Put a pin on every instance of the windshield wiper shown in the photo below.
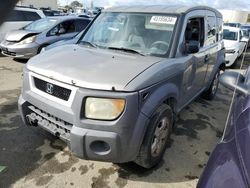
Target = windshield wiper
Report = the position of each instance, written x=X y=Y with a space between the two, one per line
x=126 y=50
x=88 y=43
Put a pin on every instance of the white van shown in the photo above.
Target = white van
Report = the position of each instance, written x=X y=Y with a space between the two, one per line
x=234 y=43
x=18 y=18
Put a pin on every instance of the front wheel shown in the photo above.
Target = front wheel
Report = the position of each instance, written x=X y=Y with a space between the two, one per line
x=211 y=92
x=156 y=137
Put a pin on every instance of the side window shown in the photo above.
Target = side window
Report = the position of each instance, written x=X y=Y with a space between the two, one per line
x=31 y=16
x=15 y=16
x=68 y=26
x=81 y=24
x=195 y=31
x=219 y=35
x=63 y=28
x=211 y=30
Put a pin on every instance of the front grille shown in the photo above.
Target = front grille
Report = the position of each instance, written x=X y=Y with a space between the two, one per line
x=56 y=126
x=54 y=90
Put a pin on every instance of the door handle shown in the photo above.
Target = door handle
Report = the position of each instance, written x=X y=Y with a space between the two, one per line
x=206 y=58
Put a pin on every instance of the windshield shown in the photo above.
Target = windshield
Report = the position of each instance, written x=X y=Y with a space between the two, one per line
x=41 y=25
x=147 y=34
x=230 y=35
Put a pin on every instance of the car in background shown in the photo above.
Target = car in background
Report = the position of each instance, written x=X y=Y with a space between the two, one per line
x=73 y=40
x=229 y=164
x=28 y=41
x=245 y=26
x=18 y=18
x=49 y=12
x=234 y=43
x=246 y=34
x=232 y=25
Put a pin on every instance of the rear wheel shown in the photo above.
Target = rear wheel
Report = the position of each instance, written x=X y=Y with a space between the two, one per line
x=156 y=137
x=211 y=92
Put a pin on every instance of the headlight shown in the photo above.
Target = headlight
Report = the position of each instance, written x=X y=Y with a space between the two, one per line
x=103 y=109
x=230 y=51
x=28 y=40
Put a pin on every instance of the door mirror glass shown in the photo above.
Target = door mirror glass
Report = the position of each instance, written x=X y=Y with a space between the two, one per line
x=192 y=47
x=234 y=81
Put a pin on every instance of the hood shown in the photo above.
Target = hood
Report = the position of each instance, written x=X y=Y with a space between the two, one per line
x=90 y=68
x=18 y=35
x=230 y=44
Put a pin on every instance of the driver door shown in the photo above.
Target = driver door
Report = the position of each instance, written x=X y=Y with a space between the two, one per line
x=195 y=67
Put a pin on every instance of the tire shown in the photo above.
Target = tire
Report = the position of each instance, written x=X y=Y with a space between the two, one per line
x=162 y=120
x=211 y=92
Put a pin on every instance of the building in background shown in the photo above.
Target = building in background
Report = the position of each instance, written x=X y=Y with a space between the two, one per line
x=52 y=4
x=235 y=16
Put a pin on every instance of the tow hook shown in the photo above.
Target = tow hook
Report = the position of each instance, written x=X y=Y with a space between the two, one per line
x=57 y=134
x=31 y=119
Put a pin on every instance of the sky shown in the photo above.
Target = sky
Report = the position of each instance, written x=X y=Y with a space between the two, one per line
x=219 y=4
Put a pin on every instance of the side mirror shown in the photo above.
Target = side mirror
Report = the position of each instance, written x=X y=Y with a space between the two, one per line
x=192 y=47
x=234 y=81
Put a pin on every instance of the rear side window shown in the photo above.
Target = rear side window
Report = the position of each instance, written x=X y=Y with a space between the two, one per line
x=81 y=25
x=21 y=16
x=31 y=16
x=219 y=35
x=211 y=29
x=16 y=16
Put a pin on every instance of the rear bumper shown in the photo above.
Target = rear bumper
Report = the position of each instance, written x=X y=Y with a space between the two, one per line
x=24 y=51
x=112 y=141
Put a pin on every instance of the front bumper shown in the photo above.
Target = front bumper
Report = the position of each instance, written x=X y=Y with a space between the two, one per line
x=24 y=51
x=231 y=58
x=114 y=141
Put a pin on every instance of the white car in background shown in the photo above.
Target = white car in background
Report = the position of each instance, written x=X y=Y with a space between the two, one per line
x=234 y=43
x=18 y=18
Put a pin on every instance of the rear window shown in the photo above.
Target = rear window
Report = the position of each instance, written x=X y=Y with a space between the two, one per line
x=21 y=16
x=31 y=16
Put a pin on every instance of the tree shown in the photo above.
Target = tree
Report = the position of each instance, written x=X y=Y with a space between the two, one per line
x=76 y=4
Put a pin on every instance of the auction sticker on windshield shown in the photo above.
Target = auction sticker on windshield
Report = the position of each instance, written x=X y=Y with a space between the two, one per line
x=163 y=20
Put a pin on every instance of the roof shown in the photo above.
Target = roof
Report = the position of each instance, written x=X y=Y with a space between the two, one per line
x=171 y=9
